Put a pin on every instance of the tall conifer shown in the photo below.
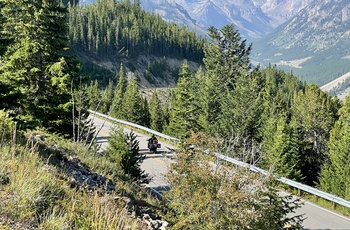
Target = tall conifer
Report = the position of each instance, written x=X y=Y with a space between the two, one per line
x=335 y=176
x=181 y=115
x=132 y=103
x=36 y=62
x=119 y=93
x=156 y=113
x=314 y=115
x=107 y=98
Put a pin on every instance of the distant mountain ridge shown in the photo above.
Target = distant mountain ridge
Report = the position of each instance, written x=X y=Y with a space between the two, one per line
x=309 y=37
x=253 y=18
x=314 y=43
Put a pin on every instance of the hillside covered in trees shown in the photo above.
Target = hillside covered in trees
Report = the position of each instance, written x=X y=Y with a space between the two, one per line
x=115 y=31
x=262 y=116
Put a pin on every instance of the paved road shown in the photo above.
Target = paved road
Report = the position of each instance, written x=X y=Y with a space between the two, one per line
x=156 y=165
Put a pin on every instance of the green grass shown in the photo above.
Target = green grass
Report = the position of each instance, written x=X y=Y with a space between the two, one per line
x=34 y=191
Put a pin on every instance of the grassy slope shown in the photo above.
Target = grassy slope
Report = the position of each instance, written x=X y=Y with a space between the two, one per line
x=36 y=193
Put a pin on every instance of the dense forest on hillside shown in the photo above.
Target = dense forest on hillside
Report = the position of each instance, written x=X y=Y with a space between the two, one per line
x=117 y=29
x=263 y=116
x=266 y=117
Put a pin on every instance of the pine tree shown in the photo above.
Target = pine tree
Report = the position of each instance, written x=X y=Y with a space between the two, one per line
x=241 y=110
x=123 y=149
x=119 y=94
x=181 y=116
x=146 y=116
x=93 y=95
x=335 y=175
x=156 y=113
x=36 y=63
x=211 y=98
x=131 y=161
x=107 y=98
x=314 y=115
x=4 y=39
x=227 y=55
x=226 y=59
x=283 y=154
x=132 y=103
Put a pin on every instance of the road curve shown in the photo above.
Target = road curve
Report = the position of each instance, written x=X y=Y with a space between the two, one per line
x=156 y=165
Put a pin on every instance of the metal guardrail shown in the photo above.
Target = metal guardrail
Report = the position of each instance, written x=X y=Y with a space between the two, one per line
x=294 y=184
x=136 y=126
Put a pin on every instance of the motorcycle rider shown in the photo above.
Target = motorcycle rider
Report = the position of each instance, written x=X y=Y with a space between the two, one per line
x=150 y=140
x=150 y=143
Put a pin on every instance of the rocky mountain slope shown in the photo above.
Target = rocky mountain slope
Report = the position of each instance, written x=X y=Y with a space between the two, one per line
x=310 y=37
x=313 y=43
x=253 y=18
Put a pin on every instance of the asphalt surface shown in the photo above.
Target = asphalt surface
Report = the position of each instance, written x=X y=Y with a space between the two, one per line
x=156 y=165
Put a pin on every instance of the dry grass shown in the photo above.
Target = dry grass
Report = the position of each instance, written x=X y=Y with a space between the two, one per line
x=34 y=194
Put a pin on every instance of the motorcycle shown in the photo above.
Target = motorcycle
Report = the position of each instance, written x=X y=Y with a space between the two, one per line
x=153 y=145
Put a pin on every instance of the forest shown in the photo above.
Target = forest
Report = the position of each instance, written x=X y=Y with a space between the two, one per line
x=263 y=116
x=118 y=29
x=284 y=123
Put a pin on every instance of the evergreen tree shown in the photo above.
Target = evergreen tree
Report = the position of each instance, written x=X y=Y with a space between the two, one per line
x=124 y=150
x=314 y=115
x=335 y=176
x=146 y=116
x=166 y=108
x=93 y=95
x=4 y=38
x=107 y=98
x=119 y=93
x=241 y=110
x=117 y=28
x=132 y=103
x=227 y=55
x=181 y=116
x=117 y=146
x=283 y=154
x=9 y=97
x=156 y=113
x=226 y=58
x=196 y=83
x=36 y=63
x=211 y=97
x=131 y=161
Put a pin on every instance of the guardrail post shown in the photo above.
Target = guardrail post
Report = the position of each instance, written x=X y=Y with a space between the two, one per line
x=300 y=193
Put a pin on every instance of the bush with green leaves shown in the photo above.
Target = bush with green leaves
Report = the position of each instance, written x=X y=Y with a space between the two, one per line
x=208 y=196
x=123 y=149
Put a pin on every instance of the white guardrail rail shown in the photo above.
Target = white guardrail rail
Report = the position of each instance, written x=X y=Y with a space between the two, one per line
x=294 y=184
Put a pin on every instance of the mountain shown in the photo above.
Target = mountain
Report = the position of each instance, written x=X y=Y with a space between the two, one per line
x=253 y=18
x=313 y=43
x=308 y=37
